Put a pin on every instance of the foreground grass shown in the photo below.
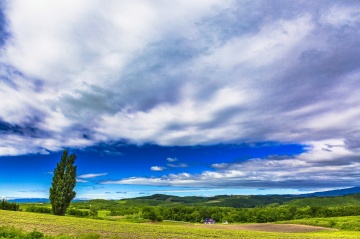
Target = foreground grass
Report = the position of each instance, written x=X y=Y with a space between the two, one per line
x=55 y=225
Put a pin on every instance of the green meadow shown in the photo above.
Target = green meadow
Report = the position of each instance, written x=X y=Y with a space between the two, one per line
x=68 y=226
x=153 y=217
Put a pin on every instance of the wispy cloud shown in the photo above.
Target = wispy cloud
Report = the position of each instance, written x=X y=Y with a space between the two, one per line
x=220 y=165
x=32 y=191
x=187 y=190
x=92 y=175
x=172 y=163
x=171 y=160
x=81 y=180
x=179 y=165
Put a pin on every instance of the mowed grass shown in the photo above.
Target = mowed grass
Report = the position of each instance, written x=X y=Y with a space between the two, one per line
x=55 y=225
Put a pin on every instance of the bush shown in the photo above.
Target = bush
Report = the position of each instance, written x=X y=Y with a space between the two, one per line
x=11 y=232
x=152 y=214
x=93 y=211
x=35 y=235
x=90 y=236
x=78 y=213
x=33 y=208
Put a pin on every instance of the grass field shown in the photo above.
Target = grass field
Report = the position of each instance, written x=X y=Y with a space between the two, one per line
x=55 y=225
x=351 y=223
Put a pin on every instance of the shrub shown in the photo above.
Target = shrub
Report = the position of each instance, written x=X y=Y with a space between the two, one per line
x=33 y=208
x=35 y=235
x=78 y=213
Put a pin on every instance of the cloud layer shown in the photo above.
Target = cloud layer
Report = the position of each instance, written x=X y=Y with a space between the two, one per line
x=201 y=74
x=184 y=73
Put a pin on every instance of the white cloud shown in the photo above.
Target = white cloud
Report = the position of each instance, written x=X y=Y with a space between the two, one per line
x=157 y=168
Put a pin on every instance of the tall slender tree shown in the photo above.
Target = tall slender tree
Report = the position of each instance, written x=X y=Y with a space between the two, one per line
x=63 y=184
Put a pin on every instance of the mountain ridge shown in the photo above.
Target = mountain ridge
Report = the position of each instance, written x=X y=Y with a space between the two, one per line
x=164 y=197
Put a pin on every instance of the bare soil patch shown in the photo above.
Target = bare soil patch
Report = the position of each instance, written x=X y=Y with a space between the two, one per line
x=269 y=227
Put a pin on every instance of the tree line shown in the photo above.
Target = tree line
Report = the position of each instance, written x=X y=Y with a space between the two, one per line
x=12 y=206
x=233 y=215
x=199 y=213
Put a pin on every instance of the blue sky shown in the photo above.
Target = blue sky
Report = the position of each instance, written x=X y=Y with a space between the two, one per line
x=182 y=97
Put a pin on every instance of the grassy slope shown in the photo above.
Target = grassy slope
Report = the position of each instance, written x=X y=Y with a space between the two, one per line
x=54 y=225
x=340 y=201
x=351 y=223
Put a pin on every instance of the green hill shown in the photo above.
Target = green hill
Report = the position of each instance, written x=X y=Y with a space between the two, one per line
x=339 y=201
x=236 y=201
x=250 y=201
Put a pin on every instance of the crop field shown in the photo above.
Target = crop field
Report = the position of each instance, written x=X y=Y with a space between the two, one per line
x=55 y=225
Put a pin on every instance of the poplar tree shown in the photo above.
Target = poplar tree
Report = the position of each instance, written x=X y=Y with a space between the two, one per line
x=63 y=184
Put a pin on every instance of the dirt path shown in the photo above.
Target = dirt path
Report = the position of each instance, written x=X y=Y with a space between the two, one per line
x=269 y=227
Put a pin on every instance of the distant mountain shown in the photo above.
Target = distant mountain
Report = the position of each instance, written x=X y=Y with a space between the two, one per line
x=219 y=200
x=29 y=200
x=38 y=200
x=337 y=192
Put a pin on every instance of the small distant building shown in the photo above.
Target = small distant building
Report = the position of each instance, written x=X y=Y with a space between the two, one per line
x=209 y=221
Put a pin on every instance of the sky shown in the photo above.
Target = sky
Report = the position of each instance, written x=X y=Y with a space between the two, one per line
x=180 y=97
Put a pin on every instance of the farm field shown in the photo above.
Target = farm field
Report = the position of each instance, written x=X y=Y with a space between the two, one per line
x=55 y=225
